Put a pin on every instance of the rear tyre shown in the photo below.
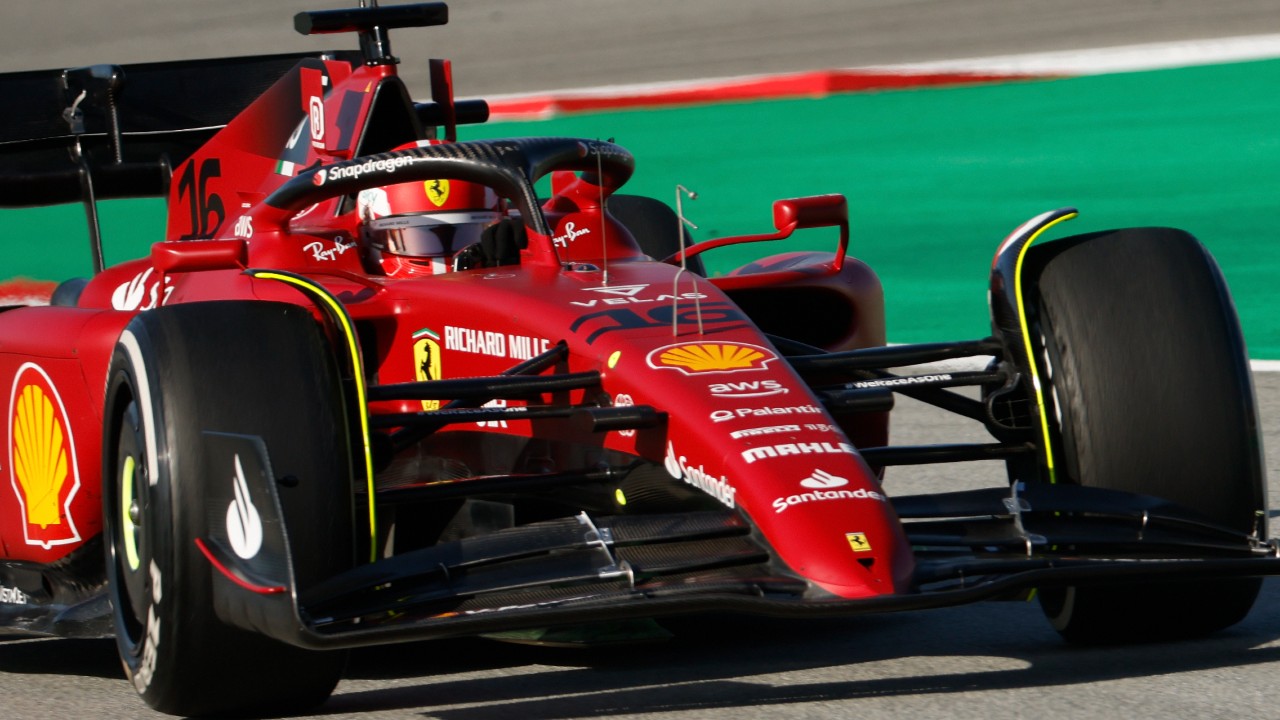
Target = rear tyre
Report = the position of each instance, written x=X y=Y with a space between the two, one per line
x=1146 y=367
x=655 y=226
x=241 y=367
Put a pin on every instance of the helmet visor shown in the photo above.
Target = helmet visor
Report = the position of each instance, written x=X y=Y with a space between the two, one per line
x=439 y=235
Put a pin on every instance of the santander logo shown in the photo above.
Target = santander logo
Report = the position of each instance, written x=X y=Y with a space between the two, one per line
x=678 y=467
x=141 y=293
x=823 y=480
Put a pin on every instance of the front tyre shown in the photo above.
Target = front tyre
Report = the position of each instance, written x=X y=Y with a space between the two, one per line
x=250 y=368
x=1146 y=367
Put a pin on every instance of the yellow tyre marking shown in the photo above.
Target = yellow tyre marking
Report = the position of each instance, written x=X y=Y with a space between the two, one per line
x=1026 y=339
x=353 y=347
x=127 y=527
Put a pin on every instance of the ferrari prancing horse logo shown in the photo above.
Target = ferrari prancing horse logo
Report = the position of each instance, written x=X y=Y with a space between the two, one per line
x=858 y=542
x=437 y=191
x=426 y=361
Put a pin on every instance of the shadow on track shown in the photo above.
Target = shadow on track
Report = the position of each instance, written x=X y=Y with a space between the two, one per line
x=742 y=663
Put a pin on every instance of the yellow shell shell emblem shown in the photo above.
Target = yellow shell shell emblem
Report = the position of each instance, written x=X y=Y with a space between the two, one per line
x=691 y=358
x=437 y=191
x=42 y=459
x=39 y=456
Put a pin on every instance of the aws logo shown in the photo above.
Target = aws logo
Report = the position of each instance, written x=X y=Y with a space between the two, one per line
x=747 y=389
x=43 y=471
x=692 y=358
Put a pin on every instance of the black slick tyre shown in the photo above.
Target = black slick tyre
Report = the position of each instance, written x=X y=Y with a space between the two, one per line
x=261 y=369
x=1151 y=390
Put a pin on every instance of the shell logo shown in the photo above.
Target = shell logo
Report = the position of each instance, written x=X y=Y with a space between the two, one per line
x=693 y=358
x=437 y=191
x=44 y=475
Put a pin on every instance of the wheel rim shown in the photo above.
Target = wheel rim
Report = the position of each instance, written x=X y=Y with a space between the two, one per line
x=128 y=511
x=130 y=552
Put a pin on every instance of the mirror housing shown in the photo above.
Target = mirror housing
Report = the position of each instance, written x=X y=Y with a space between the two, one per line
x=810 y=212
x=195 y=255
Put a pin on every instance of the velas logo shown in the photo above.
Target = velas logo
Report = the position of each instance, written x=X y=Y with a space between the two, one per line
x=437 y=191
x=693 y=358
x=42 y=459
x=623 y=290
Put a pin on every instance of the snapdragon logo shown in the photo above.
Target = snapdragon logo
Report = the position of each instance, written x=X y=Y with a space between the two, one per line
x=344 y=172
x=718 y=488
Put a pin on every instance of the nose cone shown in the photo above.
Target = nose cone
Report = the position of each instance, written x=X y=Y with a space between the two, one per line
x=824 y=513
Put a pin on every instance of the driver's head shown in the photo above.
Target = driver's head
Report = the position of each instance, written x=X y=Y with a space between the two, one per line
x=419 y=228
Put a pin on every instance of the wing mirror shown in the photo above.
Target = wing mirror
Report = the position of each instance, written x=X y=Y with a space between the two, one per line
x=194 y=255
x=810 y=212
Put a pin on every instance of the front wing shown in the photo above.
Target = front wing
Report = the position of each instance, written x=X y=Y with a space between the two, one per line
x=969 y=546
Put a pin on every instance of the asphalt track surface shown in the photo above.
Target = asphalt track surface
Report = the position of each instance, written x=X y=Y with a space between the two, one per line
x=993 y=660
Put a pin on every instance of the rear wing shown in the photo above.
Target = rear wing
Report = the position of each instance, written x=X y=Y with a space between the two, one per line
x=114 y=131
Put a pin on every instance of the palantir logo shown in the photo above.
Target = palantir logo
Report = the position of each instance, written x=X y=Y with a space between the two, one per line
x=823 y=480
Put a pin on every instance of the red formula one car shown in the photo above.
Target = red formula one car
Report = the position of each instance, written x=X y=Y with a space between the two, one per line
x=378 y=385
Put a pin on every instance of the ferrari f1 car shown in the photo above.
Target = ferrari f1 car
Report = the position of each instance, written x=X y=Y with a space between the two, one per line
x=257 y=446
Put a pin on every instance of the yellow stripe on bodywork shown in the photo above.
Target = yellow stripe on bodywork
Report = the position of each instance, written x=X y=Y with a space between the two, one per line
x=339 y=313
x=1026 y=339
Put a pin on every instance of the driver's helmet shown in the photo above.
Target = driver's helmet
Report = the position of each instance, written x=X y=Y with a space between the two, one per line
x=421 y=227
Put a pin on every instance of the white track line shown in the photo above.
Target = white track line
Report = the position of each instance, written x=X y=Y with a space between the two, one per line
x=1126 y=58
x=1092 y=61
x=975 y=364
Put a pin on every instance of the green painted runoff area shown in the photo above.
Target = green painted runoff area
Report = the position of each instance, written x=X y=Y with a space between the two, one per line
x=935 y=177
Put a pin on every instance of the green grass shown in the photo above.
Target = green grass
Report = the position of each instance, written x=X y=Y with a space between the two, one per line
x=935 y=177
